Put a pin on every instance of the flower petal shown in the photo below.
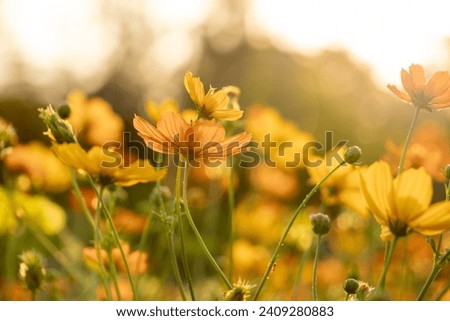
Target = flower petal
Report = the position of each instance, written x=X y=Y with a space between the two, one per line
x=417 y=76
x=435 y=220
x=376 y=184
x=411 y=194
x=438 y=85
x=227 y=114
x=399 y=93
x=195 y=88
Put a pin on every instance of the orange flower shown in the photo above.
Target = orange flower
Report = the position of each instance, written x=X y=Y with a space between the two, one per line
x=202 y=140
x=431 y=94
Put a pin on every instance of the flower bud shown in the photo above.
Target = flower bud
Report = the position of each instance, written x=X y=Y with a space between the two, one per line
x=8 y=137
x=31 y=270
x=351 y=286
x=352 y=154
x=239 y=292
x=321 y=223
x=447 y=171
x=64 y=111
x=59 y=130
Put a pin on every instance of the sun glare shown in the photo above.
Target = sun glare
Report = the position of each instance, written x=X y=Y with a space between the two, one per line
x=386 y=35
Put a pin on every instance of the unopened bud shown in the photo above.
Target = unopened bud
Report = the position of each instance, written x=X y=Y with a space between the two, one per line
x=447 y=171
x=351 y=286
x=239 y=292
x=64 y=111
x=352 y=154
x=321 y=223
x=59 y=130
x=31 y=270
x=8 y=137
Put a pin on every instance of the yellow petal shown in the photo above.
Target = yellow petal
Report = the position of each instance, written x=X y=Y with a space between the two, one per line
x=73 y=155
x=411 y=194
x=376 y=184
x=195 y=88
x=138 y=172
x=435 y=220
x=227 y=114
x=215 y=101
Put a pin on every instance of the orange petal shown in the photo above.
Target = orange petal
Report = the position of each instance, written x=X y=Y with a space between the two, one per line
x=438 y=84
x=399 y=93
x=417 y=77
x=407 y=82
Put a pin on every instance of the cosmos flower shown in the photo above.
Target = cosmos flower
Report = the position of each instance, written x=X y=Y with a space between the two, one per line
x=203 y=140
x=401 y=205
x=213 y=104
x=433 y=94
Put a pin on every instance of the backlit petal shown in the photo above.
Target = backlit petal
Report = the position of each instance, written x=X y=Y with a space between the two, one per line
x=417 y=75
x=399 y=93
x=435 y=220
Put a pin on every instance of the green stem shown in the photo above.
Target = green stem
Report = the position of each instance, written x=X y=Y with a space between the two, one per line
x=408 y=141
x=197 y=233
x=112 y=268
x=180 y=222
x=169 y=238
x=437 y=267
x=98 y=251
x=314 y=274
x=305 y=257
x=288 y=228
x=116 y=236
x=81 y=200
x=387 y=262
x=231 y=204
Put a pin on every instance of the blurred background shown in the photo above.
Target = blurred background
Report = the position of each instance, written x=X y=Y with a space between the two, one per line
x=323 y=64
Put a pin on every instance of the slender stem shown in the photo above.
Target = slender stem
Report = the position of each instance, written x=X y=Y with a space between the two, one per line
x=112 y=268
x=314 y=275
x=116 y=236
x=408 y=140
x=347 y=297
x=387 y=261
x=288 y=228
x=197 y=233
x=98 y=251
x=437 y=267
x=81 y=200
x=182 y=240
x=231 y=204
x=173 y=261
x=169 y=238
x=305 y=258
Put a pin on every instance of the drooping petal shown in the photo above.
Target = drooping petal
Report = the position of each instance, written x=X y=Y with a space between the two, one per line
x=411 y=194
x=399 y=93
x=435 y=220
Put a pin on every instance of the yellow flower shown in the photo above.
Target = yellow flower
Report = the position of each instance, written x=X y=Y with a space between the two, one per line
x=40 y=165
x=94 y=118
x=201 y=140
x=32 y=209
x=431 y=94
x=154 y=111
x=213 y=104
x=402 y=205
x=107 y=165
